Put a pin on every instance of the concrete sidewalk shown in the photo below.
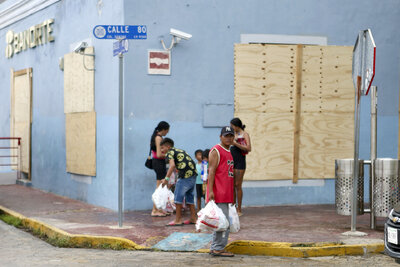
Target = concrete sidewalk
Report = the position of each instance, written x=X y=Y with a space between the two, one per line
x=297 y=231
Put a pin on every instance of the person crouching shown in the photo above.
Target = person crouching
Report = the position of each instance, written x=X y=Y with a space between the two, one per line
x=184 y=187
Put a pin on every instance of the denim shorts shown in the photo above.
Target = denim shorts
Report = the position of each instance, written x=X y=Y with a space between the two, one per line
x=184 y=188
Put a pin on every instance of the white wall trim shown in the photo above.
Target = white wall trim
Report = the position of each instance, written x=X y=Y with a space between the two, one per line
x=284 y=183
x=22 y=9
x=81 y=178
x=283 y=39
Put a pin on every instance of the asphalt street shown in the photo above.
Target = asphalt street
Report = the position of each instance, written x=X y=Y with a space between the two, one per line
x=19 y=248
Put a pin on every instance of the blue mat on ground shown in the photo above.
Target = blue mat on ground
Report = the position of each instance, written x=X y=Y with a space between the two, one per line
x=184 y=242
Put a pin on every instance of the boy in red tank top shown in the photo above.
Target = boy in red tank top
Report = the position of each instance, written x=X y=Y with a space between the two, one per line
x=220 y=186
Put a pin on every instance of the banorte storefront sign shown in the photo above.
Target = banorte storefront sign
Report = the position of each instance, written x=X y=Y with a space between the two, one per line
x=39 y=34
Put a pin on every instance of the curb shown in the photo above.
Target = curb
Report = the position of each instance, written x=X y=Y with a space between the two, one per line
x=73 y=240
x=283 y=249
x=244 y=247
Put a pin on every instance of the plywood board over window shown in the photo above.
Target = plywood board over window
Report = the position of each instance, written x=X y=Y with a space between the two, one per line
x=80 y=130
x=80 y=134
x=21 y=115
x=79 y=82
x=298 y=106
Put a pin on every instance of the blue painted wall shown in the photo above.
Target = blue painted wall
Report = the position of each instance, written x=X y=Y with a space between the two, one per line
x=74 y=21
x=202 y=74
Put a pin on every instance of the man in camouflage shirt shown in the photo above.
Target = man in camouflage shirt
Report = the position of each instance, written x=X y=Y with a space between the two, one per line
x=180 y=160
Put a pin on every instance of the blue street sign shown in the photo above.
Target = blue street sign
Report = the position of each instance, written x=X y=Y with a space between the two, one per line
x=120 y=47
x=120 y=31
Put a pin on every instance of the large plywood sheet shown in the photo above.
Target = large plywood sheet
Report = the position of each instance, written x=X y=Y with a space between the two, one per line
x=272 y=145
x=79 y=82
x=326 y=79
x=80 y=134
x=324 y=138
x=266 y=78
x=21 y=116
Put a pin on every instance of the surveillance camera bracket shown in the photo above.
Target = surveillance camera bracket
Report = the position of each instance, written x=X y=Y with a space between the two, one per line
x=174 y=41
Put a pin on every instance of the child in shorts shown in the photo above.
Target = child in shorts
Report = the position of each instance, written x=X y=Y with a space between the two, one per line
x=199 y=182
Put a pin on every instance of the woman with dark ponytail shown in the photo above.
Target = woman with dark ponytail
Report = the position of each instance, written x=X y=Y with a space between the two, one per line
x=240 y=148
x=159 y=164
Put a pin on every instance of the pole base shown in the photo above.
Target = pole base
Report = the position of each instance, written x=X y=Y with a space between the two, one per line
x=354 y=233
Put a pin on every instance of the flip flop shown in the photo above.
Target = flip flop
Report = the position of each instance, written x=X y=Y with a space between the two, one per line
x=221 y=253
x=172 y=223
x=188 y=222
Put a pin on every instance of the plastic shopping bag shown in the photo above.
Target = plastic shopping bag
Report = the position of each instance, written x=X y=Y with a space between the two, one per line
x=160 y=197
x=233 y=219
x=170 y=207
x=211 y=218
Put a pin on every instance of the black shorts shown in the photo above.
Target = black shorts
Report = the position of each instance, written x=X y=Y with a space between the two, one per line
x=160 y=167
x=199 y=191
x=239 y=161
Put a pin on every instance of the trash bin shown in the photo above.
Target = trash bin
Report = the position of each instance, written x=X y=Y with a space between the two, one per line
x=344 y=186
x=386 y=186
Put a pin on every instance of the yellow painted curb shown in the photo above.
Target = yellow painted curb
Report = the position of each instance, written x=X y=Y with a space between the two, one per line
x=283 y=249
x=74 y=240
x=246 y=247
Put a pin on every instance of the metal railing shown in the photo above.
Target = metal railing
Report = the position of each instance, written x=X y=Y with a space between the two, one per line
x=12 y=163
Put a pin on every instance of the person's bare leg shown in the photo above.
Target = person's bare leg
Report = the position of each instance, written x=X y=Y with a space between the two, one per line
x=235 y=177
x=178 y=216
x=239 y=191
x=193 y=216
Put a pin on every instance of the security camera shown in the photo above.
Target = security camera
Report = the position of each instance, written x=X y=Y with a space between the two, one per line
x=179 y=34
x=81 y=46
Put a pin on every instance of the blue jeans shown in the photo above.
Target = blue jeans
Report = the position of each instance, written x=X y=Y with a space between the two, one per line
x=184 y=188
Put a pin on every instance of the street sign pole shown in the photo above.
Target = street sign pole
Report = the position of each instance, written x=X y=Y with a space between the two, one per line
x=356 y=162
x=121 y=33
x=121 y=139
x=363 y=73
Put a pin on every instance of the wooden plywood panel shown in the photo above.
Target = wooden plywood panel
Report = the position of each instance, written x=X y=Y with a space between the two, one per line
x=80 y=133
x=267 y=78
x=272 y=140
x=21 y=116
x=79 y=82
x=324 y=138
x=326 y=83
x=264 y=78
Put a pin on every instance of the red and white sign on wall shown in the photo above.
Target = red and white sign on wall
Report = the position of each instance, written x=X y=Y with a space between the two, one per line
x=159 y=62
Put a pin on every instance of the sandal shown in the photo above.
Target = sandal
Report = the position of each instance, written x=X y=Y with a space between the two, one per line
x=172 y=223
x=188 y=222
x=221 y=253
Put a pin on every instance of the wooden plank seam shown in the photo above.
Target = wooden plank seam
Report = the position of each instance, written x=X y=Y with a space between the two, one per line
x=296 y=133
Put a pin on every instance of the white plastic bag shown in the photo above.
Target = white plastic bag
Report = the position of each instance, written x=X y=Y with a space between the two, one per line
x=160 y=197
x=233 y=219
x=170 y=207
x=211 y=218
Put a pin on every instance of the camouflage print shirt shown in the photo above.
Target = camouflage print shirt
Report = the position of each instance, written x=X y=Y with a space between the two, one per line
x=184 y=163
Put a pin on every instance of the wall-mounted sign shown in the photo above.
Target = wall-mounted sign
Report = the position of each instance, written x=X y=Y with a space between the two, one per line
x=159 y=62
x=39 y=34
x=120 y=31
